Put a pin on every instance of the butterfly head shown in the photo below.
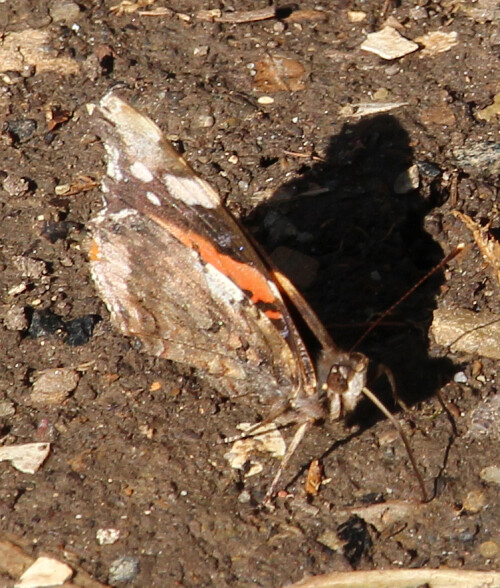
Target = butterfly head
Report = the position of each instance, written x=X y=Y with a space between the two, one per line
x=342 y=378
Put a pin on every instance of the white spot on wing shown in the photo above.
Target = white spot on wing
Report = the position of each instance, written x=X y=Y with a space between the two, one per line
x=221 y=287
x=121 y=214
x=153 y=198
x=104 y=215
x=192 y=191
x=141 y=172
x=113 y=168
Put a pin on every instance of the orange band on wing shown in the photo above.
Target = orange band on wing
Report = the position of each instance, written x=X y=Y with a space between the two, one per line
x=244 y=276
x=274 y=315
x=94 y=253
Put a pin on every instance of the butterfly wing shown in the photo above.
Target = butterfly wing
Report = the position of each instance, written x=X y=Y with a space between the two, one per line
x=177 y=271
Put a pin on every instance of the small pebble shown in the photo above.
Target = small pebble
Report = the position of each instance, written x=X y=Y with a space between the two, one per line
x=15 y=186
x=265 y=100
x=62 y=189
x=479 y=155
x=428 y=170
x=15 y=319
x=205 y=121
x=393 y=69
x=53 y=386
x=438 y=115
x=407 y=181
x=474 y=502
x=107 y=536
x=11 y=77
x=388 y=437
x=29 y=267
x=418 y=13
x=7 y=408
x=485 y=419
x=64 y=11
x=201 y=51
x=21 y=129
x=356 y=16
x=495 y=38
x=490 y=475
x=381 y=95
x=244 y=497
x=460 y=378
x=123 y=569
x=489 y=549
x=17 y=289
x=331 y=540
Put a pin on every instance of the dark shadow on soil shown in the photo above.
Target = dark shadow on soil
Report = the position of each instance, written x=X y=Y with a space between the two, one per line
x=371 y=247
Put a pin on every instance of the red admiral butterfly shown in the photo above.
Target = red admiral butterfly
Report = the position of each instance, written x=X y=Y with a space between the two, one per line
x=178 y=272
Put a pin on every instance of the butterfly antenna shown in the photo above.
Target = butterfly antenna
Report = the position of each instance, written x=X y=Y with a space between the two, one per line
x=386 y=313
x=371 y=396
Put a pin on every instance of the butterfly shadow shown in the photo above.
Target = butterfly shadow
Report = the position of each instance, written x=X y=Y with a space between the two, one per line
x=359 y=224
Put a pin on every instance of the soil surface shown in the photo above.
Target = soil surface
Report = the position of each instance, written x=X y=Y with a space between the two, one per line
x=134 y=439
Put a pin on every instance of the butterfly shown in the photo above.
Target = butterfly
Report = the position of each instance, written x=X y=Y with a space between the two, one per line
x=178 y=272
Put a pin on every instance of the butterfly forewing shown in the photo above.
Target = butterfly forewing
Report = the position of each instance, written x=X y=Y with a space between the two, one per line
x=176 y=270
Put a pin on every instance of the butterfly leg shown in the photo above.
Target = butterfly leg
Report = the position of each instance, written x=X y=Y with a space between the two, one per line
x=295 y=442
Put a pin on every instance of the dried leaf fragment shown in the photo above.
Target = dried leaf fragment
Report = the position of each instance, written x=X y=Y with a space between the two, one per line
x=78 y=185
x=45 y=572
x=31 y=48
x=467 y=331
x=410 y=578
x=279 y=73
x=26 y=458
x=305 y=14
x=480 y=10
x=217 y=15
x=56 y=116
x=437 y=42
x=438 y=115
x=14 y=560
x=314 y=477
x=490 y=111
x=388 y=44
x=264 y=439
x=129 y=6
x=368 y=108
x=384 y=515
x=487 y=244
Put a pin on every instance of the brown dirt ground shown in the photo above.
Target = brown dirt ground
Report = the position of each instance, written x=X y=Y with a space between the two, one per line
x=141 y=458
